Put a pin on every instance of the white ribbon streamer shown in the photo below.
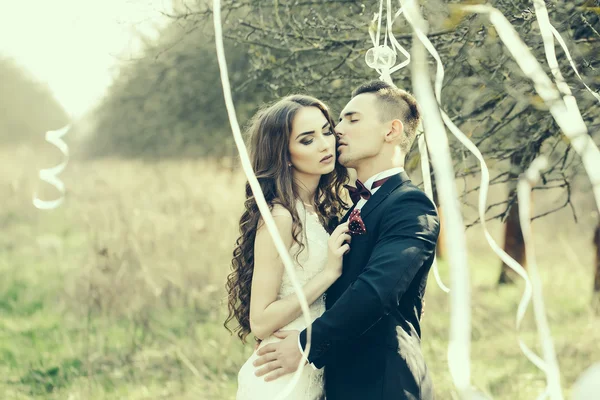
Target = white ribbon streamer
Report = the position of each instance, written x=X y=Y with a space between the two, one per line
x=541 y=14
x=529 y=179
x=568 y=117
x=258 y=195
x=562 y=43
x=563 y=109
x=390 y=34
x=50 y=175
x=483 y=191
x=385 y=75
x=429 y=192
x=459 y=348
x=548 y=31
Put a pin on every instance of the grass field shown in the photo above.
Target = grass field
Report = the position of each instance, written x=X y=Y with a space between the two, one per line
x=118 y=294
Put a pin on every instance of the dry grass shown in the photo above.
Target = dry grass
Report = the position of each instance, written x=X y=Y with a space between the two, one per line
x=118 y=294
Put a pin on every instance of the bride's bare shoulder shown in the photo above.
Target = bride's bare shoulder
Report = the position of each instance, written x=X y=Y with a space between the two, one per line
x=280 y=211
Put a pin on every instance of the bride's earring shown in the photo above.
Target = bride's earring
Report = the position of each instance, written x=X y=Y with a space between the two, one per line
x=289 y=164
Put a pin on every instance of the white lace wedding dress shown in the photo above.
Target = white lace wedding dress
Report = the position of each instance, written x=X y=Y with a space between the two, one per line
x=311 y=261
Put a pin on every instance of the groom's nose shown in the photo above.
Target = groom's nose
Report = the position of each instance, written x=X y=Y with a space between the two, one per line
x=338 y=131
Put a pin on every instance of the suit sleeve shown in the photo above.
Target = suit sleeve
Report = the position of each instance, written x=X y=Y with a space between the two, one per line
x=407 y=237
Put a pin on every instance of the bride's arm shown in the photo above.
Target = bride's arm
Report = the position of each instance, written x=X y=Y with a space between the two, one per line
x=267 y=313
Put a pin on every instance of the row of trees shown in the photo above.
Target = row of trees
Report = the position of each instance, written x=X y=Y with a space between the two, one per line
x=319 y=47
x=169 y=102
x=27 y=107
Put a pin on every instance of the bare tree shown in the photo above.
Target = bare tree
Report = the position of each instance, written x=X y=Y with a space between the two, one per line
x=514 y=245
x=318 y=47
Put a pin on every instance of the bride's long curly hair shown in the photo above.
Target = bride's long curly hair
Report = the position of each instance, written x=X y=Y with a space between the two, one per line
x=269 y=139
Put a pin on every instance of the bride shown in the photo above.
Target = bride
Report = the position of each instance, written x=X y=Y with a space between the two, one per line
x=293 y=152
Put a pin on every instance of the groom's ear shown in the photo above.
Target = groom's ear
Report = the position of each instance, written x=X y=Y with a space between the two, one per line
x=395 y=132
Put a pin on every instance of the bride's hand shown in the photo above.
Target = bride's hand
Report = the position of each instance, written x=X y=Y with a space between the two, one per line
x=338 y=244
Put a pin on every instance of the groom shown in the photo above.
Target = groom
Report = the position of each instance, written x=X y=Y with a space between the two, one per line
x=369 y=339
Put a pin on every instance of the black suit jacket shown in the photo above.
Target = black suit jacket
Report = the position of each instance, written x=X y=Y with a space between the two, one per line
x=369 y=339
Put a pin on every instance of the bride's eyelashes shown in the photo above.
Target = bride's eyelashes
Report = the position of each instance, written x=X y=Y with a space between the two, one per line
x=327 y=133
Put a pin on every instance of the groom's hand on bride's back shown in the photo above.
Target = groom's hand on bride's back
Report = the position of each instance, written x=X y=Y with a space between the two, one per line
x=278 y=359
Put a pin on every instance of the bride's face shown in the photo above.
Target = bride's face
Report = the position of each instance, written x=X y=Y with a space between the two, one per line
x=312 y=143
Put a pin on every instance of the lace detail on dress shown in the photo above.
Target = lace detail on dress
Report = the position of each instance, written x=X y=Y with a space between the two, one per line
x=310 y=261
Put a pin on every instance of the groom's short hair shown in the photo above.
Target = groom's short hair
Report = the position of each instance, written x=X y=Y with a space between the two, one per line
x=395 y=104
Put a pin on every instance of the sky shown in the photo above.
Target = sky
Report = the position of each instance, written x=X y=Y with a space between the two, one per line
x=74 y=46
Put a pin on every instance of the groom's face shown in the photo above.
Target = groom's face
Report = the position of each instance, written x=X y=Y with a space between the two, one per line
x=360 y=130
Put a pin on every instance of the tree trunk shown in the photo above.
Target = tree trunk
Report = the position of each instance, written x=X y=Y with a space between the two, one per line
x=514 y=245
x=596 y=294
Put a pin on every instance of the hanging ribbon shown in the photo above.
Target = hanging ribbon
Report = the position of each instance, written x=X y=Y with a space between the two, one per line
x=563 y=109
x=50 y=175
x=548 y=31
x=259 y=196
x=426 y=173
x=562 y=43
x=459 y=346
x=382 y=59
x=484 y=186
x=526 y=182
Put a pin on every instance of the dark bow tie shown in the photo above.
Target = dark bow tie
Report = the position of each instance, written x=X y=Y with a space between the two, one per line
x=361 y=191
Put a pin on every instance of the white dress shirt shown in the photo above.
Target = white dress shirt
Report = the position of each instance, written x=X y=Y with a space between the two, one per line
x=382 y=175
x=362 y=202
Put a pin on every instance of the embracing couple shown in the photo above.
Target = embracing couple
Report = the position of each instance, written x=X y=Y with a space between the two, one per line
x=363 y=274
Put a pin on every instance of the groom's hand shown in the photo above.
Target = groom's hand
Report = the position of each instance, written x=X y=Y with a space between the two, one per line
x=281 y=358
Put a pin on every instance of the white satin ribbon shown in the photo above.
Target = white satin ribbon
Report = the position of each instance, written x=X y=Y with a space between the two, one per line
x=459 y=346
x=564 y=109
x=426 y=173
x=548 y=31
x=258 y=195
x=50 y=175
x=484 y=185
x=385 y=75
x=562 y=43
x=526 y=182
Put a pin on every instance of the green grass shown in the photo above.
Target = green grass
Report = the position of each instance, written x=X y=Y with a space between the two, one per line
x=118 y=294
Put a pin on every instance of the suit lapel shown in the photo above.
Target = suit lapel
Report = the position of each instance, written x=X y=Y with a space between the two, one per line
x=388 y=187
